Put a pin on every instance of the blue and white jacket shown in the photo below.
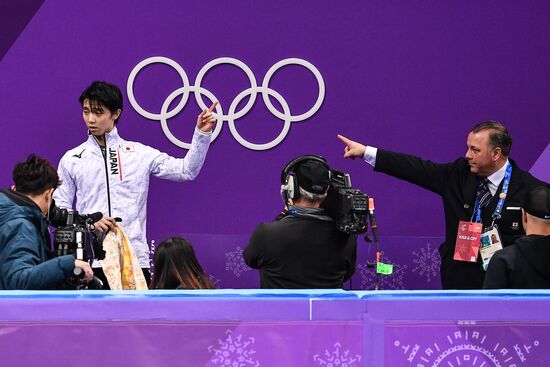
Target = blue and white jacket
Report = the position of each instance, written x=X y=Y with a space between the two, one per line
x=117 y=185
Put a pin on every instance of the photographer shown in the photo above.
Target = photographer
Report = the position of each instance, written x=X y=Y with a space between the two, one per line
x=303 y=248
x=26 y=259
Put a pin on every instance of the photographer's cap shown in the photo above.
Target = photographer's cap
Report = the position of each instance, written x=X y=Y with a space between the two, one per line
x=313 y=176
x=537 y=202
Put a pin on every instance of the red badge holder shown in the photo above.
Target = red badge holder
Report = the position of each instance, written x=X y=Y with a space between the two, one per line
x=467 y=241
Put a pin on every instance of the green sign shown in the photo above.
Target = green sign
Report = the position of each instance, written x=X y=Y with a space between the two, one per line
x=385 y=269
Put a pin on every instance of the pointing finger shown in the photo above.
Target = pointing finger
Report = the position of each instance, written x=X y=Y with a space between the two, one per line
x=213 y=106
x=344 y=139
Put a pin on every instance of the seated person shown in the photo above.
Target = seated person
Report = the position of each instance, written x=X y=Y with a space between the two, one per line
x=176 y=267
x=303 y=248
x=26 y=257
x=526 y=264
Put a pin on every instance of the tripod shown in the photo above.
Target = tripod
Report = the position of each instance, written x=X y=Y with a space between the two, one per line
x=374 y=230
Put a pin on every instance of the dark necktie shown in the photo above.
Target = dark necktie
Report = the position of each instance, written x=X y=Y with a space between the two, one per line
x=483 y=192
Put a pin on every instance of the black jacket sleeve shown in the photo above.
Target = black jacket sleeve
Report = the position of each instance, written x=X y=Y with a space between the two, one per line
x=427 y=174
x=253 y=253
x=497 y=272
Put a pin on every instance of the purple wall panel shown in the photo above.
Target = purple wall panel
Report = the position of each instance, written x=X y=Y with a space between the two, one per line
x=15 y=17
x=276 y=328
x=479 y=328
x=189 y=344
x=541 y=168
x=470 y=344
x=407 y=76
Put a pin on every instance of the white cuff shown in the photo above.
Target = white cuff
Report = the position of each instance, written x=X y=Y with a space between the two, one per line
x=370 y=155
x=197 y=130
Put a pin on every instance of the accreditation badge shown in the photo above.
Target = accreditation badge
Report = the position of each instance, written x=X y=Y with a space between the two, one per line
x=490 y=243
x=467 y=241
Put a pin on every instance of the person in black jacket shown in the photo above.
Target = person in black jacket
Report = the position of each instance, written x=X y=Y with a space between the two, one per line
x=526 y=264
x=462 y=187
x=303 y=248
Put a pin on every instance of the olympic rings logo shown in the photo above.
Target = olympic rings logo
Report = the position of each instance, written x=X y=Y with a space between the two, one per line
x=232 y=114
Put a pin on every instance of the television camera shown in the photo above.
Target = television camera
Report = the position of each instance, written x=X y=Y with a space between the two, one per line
x=348 y=206
x=73 y=236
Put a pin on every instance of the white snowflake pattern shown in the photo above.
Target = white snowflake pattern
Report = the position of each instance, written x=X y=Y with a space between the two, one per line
x=427 y=262
x=234 y=351
x=337 y=358
x=214 y=280
x=235 y=262
x=392 y=281
x=477 y=351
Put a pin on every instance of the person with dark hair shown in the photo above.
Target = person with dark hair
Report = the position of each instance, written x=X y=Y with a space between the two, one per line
x=481 y=189
x=111 y=175
x=177 y=267
x=303 y=247
x=26 y=257
x=525 y=264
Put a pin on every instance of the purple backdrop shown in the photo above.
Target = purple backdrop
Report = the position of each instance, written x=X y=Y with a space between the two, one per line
x=407 y=76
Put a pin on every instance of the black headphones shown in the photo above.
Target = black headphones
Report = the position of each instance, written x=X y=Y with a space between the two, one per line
x=289 y=181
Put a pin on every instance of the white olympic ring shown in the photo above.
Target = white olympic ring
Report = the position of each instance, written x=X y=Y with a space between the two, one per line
x=232 y=114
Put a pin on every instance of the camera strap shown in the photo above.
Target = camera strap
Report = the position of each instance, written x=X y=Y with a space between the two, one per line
x=306 y=212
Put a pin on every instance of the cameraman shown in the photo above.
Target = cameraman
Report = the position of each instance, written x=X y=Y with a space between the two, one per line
x=303 y=249
x=26 y=259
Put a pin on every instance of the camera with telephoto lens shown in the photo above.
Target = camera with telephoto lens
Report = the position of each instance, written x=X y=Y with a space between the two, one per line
x=348 y=206
x=73 y=236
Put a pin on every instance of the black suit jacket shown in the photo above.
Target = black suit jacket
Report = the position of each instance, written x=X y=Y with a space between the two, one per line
x=458 y=188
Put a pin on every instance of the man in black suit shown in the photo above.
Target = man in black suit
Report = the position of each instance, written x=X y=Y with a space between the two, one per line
x=465 y=185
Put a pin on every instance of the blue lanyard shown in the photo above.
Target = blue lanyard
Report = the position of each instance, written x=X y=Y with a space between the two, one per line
x=502 y=197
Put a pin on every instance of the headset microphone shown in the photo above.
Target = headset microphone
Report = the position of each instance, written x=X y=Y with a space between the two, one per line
x=289 y=181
